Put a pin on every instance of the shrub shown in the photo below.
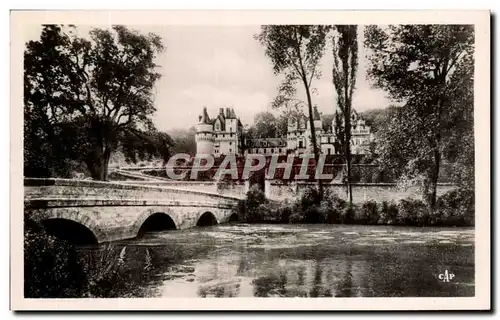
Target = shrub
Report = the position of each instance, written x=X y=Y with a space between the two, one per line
x=296 y=217
x=52 y=268
x=453 y=208
x=456 y=208
x=268 y=212
x=368 y=212
x=253 y=210
x=331 y=208
x=309 y=197
x=306 y=207
x=255 y=197
x=388 y=213
x=285 y=211
x=348 y=213
x=412 y=212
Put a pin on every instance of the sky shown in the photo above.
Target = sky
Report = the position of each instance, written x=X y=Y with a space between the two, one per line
x=221 y=66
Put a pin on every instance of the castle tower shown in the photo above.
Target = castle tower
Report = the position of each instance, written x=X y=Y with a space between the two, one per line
x=318 y=128
x=318 y=124
x=204 y=134
x=291 y=134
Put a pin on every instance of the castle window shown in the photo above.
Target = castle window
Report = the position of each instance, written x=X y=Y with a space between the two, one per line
x=230 y=142
x=301 y=145
x=328 y=151
x=272 y=150
x=230 y=150
x=231 y=129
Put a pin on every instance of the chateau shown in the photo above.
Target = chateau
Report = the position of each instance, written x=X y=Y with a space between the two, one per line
x=225 y=135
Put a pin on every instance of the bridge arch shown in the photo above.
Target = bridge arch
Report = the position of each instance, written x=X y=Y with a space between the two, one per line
x=70 y=231
x=233 y=217
x=71 y=226
x=207 y=218
x=153 y=220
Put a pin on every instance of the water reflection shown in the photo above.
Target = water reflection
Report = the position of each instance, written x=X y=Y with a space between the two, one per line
x=312 y=261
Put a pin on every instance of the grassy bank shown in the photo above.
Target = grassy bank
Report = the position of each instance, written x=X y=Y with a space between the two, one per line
x=455 y=208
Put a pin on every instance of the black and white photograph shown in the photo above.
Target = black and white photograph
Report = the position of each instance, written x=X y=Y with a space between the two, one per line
x=170 y=157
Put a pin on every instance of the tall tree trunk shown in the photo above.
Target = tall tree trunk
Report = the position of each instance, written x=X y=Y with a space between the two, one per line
x=434 y=181
x=348 y=157
x=105 y=164
x=347 y=120
x=313 y=135
x=98 y=163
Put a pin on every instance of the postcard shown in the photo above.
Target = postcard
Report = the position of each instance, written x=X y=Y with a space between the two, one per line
x=250 y=160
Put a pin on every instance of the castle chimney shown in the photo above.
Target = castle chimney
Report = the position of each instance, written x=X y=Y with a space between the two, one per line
x=228 y=113
x=221 y=111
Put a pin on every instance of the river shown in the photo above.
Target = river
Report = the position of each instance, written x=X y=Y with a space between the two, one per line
x=273 y=260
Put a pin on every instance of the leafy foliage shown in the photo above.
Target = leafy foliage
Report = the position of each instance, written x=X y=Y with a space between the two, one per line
x=429 y=68
x=265 y=125
x=85 y=98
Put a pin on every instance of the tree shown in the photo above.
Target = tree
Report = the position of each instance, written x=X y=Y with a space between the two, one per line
x=376 y=119
x=327 y=120
x=184 y=141
x=289 y=111
x=85 y=98
x=295 y=52
x=265 y=125
x=429 y=68
x=345 y=66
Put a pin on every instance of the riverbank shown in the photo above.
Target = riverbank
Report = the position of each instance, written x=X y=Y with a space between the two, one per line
x=454 y=208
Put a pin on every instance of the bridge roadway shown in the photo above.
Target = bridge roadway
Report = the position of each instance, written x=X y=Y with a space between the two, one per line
x=96 y=212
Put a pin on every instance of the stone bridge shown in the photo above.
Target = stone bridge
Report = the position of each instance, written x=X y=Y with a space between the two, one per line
x=94 y=212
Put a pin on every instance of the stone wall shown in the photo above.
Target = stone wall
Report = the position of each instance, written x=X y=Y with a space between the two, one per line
x=36 y=188
x=361 y=192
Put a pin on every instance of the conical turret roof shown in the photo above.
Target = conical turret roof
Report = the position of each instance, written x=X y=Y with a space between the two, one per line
x=204 y=117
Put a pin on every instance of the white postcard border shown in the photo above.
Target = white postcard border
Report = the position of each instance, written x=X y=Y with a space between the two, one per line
x=481 y=20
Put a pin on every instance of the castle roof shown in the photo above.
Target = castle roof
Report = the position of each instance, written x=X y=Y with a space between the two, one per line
x=267 y=142
x=316 y=115
x=204 y=117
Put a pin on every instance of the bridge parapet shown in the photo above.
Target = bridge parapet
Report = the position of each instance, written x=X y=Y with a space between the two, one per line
x=35 y=188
